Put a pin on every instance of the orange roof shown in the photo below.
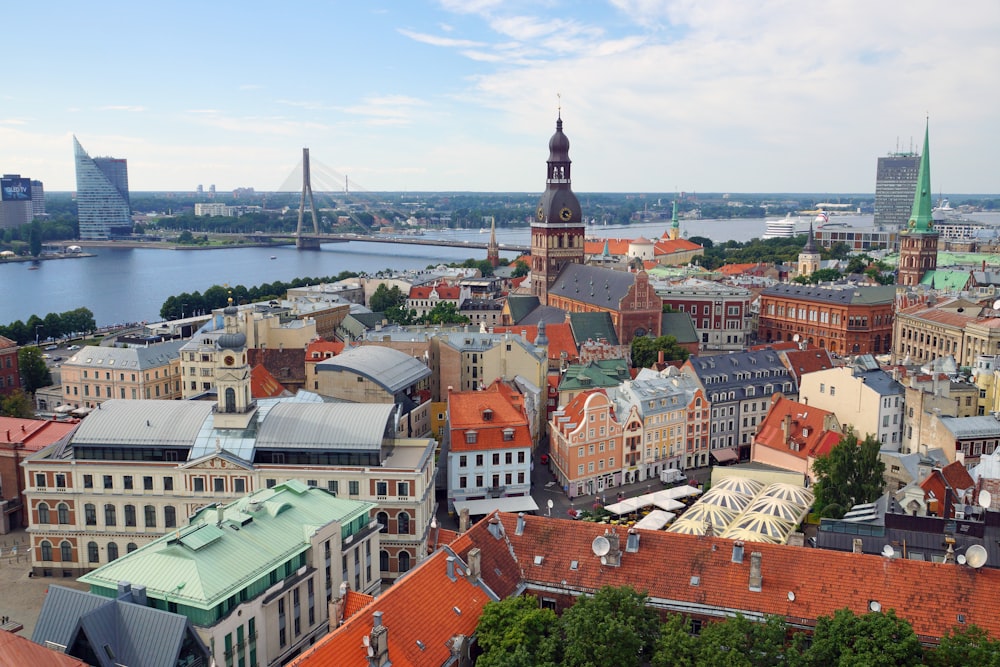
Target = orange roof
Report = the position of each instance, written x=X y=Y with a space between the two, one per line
x=650 y=264
x=735 y=269
x=801 y=362
x=955 y=476
x=320 y=349
x=670 y=246
x=34 y=434
x=421 y=612
x=444 y=291
x=615 y=246
x=355 y=602
x=560 y=336
x=18 y=650
x=505 y=407
x=699 y=570
x=572 y=413
x=806 y=436
x=516 y=282
x=6 y=342
x=263 y=384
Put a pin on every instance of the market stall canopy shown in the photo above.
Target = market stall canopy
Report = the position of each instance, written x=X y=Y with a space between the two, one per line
x=489 y=505
x=748 y=536
x=687 y=526
x=779 y=507
x=627 y=506
x=682 y=491
x=790 y=492
x=719 y=517
x=737 y=502
x=744 y=485
x=655 y=520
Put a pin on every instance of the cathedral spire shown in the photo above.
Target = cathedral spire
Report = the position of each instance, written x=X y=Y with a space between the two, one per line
x=920 y=217
x=493 y=248
x=810 y=245
x=675 y=224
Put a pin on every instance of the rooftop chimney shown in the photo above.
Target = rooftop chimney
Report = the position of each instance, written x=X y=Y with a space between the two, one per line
x=124 y=589
x=756 y=577
x=463 y=520
x=379 y=642
x=520 y=524
x=450 y=561
x=786 y=426
x=475 y=564
x=220 y=513
x=632 y=542
x=495 y=527
x=614 y=556
x=139 y=595
x=856 y=545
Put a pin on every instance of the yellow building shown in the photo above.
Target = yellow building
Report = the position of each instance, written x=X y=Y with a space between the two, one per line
x=95 y=374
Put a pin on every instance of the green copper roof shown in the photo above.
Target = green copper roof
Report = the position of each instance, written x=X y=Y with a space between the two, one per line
x=920 y=217
x=943 y=279
x=674 y=222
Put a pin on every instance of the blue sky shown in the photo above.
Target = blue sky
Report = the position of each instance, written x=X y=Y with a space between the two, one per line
x=656 y=95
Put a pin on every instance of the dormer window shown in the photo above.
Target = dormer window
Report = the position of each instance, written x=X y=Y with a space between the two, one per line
x=487 y=415
x=470 y=437
x=508 y=434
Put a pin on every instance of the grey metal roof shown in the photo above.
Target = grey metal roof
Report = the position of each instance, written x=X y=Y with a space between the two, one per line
x=881 y=382
x=127 y=358
x=391 y=369
x=143 y=422
x=136 y=634
x=547 y=314
x=722 y=373
x=850 y=294
x=983 y=426
x=593 y=285
x=348 y=426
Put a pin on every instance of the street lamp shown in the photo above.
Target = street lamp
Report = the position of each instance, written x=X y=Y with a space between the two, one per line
x=36 y=334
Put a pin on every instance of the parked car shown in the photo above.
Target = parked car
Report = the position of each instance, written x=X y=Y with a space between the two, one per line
x=51 y=347
x=672 y=476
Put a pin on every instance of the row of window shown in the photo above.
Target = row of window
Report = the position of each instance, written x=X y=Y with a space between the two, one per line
x=93 y=552
x=129 y=482
x=508 y=458
x=463 y=481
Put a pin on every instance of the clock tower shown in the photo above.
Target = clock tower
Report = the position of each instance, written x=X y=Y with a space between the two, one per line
x=235 y=406
x=557 y=231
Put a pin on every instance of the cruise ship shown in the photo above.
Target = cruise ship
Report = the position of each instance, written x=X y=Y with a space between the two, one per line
x=780 y=228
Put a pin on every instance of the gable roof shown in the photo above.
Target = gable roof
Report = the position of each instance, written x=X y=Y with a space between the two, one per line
x=18 y=650
x=34 y=434
x=849 y=294
x=559 y=333
x=286 y=365
x=263 y=384
x=592 y=326
x=466 y=412
x=666 y=246
x=597 y=373
x=680 y=326
x=593 y=285
x=806 y=436
x=443 y=290
x=805 y=361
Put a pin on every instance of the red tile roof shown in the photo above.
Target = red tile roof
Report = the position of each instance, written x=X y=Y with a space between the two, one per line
x=34 y=434
x=6 y=343
x=318 y=350
x=572 y=413
x=355 y=602
x=735 y=269
x=670 y=246
x=684 y=571
x=18 y=650
x=617 y=247
x=800 y=362
x=957 y=476
x=805 y=429
x=420 y=607
x=263 y=384
x=444 y=291
x=560 y=336
x=466 y=411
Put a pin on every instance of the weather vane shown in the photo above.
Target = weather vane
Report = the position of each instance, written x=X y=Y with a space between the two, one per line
x=559 y=104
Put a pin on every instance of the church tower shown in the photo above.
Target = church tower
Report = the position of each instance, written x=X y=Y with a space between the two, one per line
x=675 y=224
x=493 y=248
x=918 y=242
x=557 y=231
x=235 y=406
x=809 y=257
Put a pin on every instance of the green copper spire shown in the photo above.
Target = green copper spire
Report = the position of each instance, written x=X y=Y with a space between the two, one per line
x=674 y=222
x=920 y=217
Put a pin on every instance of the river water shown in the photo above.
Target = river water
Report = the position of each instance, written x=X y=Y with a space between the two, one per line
x=129 y=285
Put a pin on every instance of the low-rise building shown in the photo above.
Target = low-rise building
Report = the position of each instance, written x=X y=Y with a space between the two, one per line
x=794 y=435
x=721 y=313
x=10 y=375
x=489 y=444
x=586 y=446
x=255 y=577
x=95 y=374
x=20 y=438
x=424 y=298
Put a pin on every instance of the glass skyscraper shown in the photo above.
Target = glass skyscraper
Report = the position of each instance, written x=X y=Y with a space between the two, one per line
x=102 y=195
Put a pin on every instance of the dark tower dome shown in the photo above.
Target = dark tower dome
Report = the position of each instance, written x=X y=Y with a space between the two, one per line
x=230 y=309
x=559 y=144
x=232 y=341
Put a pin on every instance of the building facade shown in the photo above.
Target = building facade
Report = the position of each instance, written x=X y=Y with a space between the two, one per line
x=586 y=445
x=95 y=374
x=844 y=319
x=16 y=201
x=557 y=230
x=10 y=373
x=895 y=183
x=102 y=195
x=721 y=313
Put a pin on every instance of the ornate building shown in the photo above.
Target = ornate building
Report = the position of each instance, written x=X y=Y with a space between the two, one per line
x=809 y=257
x=918 y=244
x=557 y=231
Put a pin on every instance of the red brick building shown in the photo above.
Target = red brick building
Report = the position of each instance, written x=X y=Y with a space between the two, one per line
x=20 y=438
x=845 y=319
x=10 y=374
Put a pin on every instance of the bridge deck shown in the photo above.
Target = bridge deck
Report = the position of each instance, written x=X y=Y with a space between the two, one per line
x=416 y=240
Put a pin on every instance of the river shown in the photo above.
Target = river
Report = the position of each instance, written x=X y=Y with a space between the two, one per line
x=129 y=285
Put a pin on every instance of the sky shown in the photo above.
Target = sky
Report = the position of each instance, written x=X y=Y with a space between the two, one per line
x=462 y=95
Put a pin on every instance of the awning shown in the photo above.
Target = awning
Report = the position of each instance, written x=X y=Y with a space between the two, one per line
x=725 y=455
x=627 y=506
x=488 y=505
x=655 y=520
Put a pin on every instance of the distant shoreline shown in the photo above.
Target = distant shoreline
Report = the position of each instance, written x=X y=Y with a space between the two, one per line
x=166 y=245
x=42 y=258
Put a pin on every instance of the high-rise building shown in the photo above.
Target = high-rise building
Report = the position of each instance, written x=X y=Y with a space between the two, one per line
x=918 y=243
x=37 y=199
x=102 y=195
x=557 y=232
x=895 y=183
x=15 y=201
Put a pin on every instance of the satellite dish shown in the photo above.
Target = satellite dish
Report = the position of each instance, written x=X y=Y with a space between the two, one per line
x=550 y=503
x=796 y=338
x=976 y=556
x=875 y=606
x=985 y=499
x=600 y=546
x=960 y=559
x=365 y=640
x=888 y=551
x=791 y=596
x=996 y=305
x=371 y=652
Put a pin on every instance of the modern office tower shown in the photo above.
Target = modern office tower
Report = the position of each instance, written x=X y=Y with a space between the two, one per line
x=15 y=201
x=102 y=195
x=895 y=183
x=37 y=199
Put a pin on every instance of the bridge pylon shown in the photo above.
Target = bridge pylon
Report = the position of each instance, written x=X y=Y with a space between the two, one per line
x=303 y=242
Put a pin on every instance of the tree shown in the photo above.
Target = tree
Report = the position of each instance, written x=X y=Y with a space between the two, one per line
x=516 y=632
x=968 y=645
x=743 y=642
x=612 y=627
x=850 y=474
x=645 y=350
x=873 y=640
x=17 y=404
x=445 y=312
x=34 y=372
x=703 y=241
x=521 y=268
x=676 y=646
x=384 y=298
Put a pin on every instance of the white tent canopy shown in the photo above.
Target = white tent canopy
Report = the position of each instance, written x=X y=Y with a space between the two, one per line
x=488 y=505
x=627 y=506
x=655 y=520
x=682 y=491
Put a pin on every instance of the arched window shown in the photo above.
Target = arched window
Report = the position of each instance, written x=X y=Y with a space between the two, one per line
x=383 y=560
x=383 y=522
x=109 y=515
x=403 y=523
x=130 y=547
x=43 y=514
x=230 y=399
x=169 y=516
x=46 y=550
x=130 y=515
x=112 y=551
x=62 y=510
x=93 y=555
x=404 y=561
x=90 y=514
x=150 y=512
x=65 y=552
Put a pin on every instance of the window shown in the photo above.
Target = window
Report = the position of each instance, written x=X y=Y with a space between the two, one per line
x=470 y=437
x=108 y=482
x=383 y=560
x=147 y=483
x=403 y=523
x=150 y=514
x=168 y=483
x=88 y=481
x=381 y=489
x=130 y=515
x=508 y=458
x=404 y=561
x=46 y=550
x=43 y=513
x=496 y=458
x=127 y=482
x=90 y=514
x=402 y=488
x=269 y=483
x=833 y=390
x=93 y=555
x=463 y=482
x=109 y=515
x=219 y=484
x=199 y=484
x=169 y=516
x=112 y=551
x=479 y=459
x=354 y=487
x=60 y=480
x=62 y=510
x=240 y=486
x=333 y=486
x=65 y=552
x=463 y=461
